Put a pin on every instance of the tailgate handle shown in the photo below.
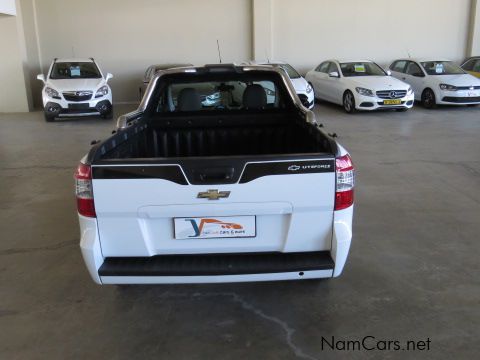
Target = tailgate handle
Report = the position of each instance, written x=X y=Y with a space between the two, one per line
x=216 y=174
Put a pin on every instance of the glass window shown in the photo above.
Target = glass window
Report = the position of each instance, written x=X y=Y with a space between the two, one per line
x=399 y=66
x=75 y=70
x=361 y=69
x=414 y=70
x=441 y=68
x=468 y=66
x=291 y=72
x=323 y=67
x=332 y=67
x=472 y=65
x=213 y=95
x=476 y=66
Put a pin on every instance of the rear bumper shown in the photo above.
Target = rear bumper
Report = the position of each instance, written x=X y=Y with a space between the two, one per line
x=208 y=279
x=221 y=267
x=216 y=268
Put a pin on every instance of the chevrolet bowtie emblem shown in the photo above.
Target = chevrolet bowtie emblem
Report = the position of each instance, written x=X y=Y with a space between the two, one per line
x=213 y=194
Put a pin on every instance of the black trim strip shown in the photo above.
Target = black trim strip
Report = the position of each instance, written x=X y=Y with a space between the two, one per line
x=216 y=264
x=257 y=170
x=170 y=173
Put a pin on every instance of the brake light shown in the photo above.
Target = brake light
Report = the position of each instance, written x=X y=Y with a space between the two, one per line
x=84 y=191
x=345 y=182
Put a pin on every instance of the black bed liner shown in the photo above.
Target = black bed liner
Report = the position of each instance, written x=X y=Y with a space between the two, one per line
x=280 y=134
x=216 y=264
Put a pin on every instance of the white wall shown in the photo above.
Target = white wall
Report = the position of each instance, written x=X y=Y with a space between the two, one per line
x=308 y=31
x=127 y=36
x=13 y=91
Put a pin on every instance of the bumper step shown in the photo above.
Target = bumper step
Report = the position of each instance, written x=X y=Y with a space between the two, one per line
x=216 y=264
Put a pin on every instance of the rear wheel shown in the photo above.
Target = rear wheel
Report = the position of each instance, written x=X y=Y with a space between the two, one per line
x=349 y=102
x=428 y=99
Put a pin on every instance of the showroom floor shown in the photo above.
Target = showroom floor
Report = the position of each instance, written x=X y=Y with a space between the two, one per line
x=412 y=272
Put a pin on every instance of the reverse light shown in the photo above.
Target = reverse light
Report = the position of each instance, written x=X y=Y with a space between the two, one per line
x=52 y=93
x=84 y=191
x=364 y=92
x=345 y=173
x=308 y=89
x=448 y=87
x=102 y=91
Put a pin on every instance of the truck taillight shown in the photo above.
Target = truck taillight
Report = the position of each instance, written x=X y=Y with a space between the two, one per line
x=84 y=191
x=345 y=182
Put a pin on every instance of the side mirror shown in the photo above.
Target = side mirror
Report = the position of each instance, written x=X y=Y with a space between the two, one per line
x=334 y=74
x=41 y=77
x=108 y=77
x=418 y=74
x=389 y=73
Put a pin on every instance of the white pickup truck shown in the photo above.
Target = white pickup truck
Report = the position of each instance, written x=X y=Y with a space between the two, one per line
x=220 y=175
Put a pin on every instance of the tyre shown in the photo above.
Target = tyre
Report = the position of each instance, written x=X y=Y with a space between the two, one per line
x=349 y=102
x=48 y=118
x=108 y=115
x=428 y=99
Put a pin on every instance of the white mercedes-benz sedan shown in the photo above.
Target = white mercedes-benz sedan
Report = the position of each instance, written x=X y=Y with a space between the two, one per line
x=438 y=82
x=359 y=85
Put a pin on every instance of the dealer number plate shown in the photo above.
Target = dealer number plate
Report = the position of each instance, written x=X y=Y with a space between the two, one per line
x=215 y=227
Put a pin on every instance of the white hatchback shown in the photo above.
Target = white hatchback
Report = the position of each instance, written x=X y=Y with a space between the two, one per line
x=303 y=89
x=438 y=82
x=359 y=85
x=76 y=87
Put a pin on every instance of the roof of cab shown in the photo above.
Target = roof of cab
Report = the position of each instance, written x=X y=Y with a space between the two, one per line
x=73 y=60
x=266 y=62
x=169 y=66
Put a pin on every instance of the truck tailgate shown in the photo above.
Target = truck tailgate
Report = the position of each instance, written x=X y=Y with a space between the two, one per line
x=272 y=206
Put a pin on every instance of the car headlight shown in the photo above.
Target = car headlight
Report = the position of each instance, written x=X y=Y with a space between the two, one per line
x=308 y=89
x=52 y=93
x=364 y=92
x=102 y=91
x=409 y=91
x=448 y=87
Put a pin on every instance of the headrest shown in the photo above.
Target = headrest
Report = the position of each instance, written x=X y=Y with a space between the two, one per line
x=188 y=100
x=254 y=97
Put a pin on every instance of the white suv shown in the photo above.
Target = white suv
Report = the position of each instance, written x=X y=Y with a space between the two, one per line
x=76 y=87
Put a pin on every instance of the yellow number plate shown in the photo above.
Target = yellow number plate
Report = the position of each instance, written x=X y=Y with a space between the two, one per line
x=392 y=102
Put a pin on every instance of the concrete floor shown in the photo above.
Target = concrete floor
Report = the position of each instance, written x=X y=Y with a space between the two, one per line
x=413 y=271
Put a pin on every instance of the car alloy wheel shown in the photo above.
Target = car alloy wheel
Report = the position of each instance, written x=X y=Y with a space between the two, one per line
x=428 y=99
x=349 y=102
